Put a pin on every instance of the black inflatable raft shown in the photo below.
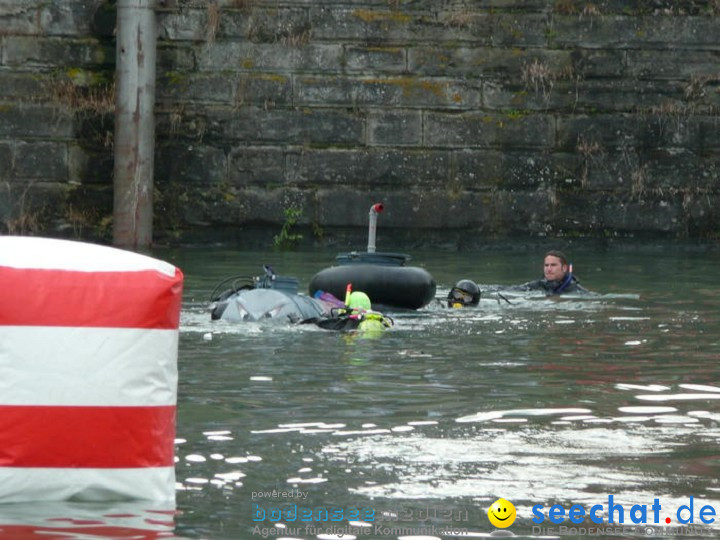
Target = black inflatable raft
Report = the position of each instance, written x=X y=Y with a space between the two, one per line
x=382 y=276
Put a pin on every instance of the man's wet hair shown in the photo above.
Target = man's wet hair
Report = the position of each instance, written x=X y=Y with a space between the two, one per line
x=559 y=254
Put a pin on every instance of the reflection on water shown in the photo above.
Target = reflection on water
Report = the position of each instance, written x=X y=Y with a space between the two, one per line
x=536 y=400
x=43 y=520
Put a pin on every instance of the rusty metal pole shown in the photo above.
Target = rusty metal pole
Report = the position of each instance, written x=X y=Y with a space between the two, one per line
x=134 y=123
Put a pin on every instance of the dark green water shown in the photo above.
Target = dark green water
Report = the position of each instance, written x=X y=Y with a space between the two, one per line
x=541 y=401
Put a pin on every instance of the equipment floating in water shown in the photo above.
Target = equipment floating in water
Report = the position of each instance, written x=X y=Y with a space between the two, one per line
x=271 y=298
x=264 y=298
x=383 y=276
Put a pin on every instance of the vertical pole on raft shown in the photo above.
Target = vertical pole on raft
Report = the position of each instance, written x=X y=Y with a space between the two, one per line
x=375 y=209
x=134 y=123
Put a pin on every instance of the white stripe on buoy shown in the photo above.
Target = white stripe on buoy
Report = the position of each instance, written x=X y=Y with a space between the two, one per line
x=60 y=366
x=48 y=253
x=89 y=484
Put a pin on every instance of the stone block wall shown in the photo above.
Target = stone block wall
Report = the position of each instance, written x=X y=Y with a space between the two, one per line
x=489 y=118
x=56 y=71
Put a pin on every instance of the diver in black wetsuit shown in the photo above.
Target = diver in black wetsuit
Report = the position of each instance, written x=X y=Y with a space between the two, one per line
x=465 y=293
x=558 y=279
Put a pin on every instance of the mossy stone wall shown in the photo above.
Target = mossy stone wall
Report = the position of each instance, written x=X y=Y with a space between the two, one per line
x=492 y=119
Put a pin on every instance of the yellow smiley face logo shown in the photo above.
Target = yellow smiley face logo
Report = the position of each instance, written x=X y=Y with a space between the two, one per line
x=502 y=513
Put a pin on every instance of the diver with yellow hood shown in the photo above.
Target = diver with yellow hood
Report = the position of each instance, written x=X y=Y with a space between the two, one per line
x=355 y=314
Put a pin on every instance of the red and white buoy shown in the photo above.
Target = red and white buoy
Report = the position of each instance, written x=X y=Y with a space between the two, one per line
x=88 y=372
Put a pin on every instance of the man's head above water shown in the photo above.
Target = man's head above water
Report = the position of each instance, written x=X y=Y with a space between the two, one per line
x=555 y=265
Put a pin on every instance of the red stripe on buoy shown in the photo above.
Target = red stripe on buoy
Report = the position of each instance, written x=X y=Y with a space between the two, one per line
x=87 y=437
x=40 y=297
